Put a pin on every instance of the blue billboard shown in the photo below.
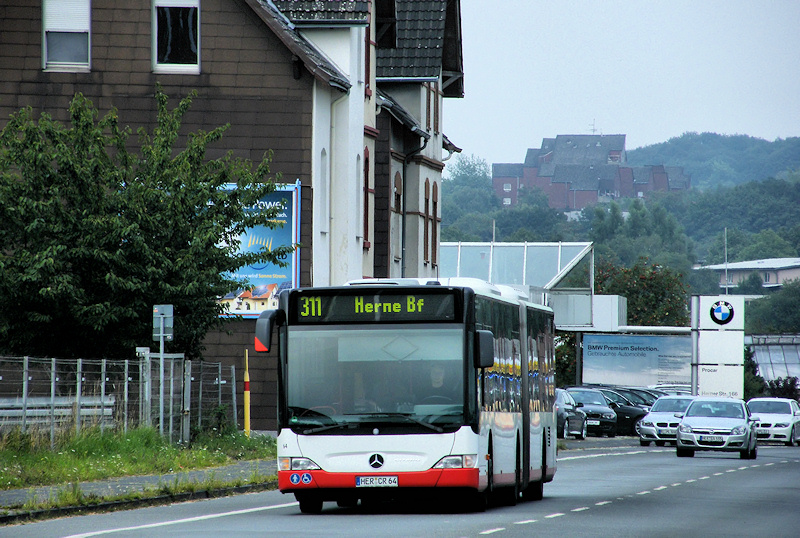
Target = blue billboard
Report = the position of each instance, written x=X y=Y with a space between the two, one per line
x=265 y=280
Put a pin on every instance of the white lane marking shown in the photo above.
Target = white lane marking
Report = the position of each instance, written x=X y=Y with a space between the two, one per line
x=704 y=478
x=691 y=480
x=643 y=493
x=492 y=531
x=551 y=516
x=581 y=509
x=718 y=474
x=731 y=470
x=605 y=455
x=659 y=488
x=676 y=484
x=525 y=522
x=602 y=503
x=185 y=520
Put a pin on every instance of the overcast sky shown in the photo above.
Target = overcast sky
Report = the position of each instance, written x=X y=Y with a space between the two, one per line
x=651 y=70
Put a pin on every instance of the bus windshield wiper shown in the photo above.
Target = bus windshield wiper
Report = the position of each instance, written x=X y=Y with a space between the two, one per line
x=327 y=427
x=406 y=417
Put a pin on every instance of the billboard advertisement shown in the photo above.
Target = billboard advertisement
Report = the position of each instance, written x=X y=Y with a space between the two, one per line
x=266 y=280
x=637 y=360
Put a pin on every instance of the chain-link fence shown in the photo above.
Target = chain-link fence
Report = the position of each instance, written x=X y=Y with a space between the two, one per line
x=168 y=392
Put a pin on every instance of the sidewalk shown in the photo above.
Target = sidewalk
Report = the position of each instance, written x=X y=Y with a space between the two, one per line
x=12 y=501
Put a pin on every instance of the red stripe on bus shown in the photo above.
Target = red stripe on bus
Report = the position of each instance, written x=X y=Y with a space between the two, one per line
x=441 y=478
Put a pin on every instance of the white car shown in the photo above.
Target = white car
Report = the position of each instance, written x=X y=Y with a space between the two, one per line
x=721 y=424
x=780 y=419
x=660 y=425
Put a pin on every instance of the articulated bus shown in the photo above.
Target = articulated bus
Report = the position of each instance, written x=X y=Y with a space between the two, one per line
x=397 y=388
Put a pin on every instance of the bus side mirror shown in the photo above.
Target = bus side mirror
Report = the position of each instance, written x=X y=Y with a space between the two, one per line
x=484 y=349
x=266 y=321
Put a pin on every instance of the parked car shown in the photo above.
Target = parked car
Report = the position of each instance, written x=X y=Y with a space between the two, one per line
x=570 y=415
x=676 y=388
x=648 y=395
x=713 y=423
x=780 y=419
x=600 y=418
x=660 y=425
x=628 y=413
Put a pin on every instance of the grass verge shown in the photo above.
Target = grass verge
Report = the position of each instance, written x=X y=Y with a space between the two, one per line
x=27 y=461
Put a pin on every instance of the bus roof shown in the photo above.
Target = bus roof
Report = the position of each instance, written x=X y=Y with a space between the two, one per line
x=481 y=287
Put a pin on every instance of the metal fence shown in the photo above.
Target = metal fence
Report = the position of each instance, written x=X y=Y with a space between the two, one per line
x=169 y=392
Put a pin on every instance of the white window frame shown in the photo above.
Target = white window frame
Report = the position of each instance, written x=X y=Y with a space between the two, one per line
x=186 y=69
x=66 y=16
x=506 y=201
x=507 y=187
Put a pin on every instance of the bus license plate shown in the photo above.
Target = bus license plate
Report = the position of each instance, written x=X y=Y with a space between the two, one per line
x=376 y=481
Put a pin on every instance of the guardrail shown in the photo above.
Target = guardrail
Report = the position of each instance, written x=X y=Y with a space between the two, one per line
x=169 y=392
x=39 y=410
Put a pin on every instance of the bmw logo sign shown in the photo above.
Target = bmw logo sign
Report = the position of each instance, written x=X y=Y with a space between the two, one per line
x=722 y=312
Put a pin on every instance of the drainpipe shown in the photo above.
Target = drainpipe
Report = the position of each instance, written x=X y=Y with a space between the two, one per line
x=408 y=158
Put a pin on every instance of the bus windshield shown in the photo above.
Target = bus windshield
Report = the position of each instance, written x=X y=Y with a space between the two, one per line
x=341 y=378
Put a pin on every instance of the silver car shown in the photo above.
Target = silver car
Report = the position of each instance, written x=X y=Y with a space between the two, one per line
x=722 y=424
x=660 y=425
x=780 y=419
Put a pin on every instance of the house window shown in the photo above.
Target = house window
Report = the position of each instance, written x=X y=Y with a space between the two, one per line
x=766 y=278
x=435 y=225
x=507 y=187
x=66 y=39
x=506 y=201
x=398 y=193
x=426 y=218
x=176 y=36
x=367 y=191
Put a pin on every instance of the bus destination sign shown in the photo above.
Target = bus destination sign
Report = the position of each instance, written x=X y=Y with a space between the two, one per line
x=322 y=306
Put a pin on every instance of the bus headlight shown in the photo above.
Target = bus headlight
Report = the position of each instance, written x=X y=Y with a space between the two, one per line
x=296 y=464
x=457 y=462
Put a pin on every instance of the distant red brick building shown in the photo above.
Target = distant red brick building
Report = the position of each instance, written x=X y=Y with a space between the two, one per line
x=575 y=171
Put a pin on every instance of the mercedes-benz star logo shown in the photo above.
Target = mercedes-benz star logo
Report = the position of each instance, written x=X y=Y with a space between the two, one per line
x=376 y=461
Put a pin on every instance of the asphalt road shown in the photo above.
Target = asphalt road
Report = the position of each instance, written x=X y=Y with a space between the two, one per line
x=618 y=490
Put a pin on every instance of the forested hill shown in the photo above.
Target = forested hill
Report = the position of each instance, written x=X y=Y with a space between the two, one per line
x=722 y=160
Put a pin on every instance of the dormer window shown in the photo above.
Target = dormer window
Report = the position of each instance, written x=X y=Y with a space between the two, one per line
x=386 y=20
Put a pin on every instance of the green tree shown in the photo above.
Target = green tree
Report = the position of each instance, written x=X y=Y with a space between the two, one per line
x=467 y=188
x=565 y=359
x=767 y=244
x=776 y=313
x=751 y=285
x=754 y=384
x=784 y=388
x=656 y=294
x=93 y=235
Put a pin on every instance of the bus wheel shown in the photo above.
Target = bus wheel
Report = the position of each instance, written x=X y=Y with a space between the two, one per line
x=511 y=495
x=476 y=501
x=535 y=490
x=309 y=504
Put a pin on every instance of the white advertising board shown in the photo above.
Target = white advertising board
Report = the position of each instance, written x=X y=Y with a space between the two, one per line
x=637 y=360
x=720 y=380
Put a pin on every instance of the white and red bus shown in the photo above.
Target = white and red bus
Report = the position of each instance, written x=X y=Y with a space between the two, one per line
x=392 y=388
